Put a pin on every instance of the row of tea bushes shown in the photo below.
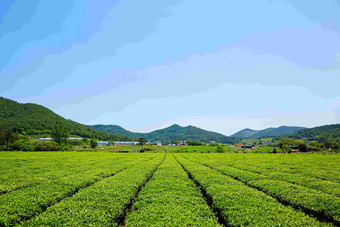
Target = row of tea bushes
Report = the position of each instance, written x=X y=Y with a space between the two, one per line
x=170 y=198
x=313 y=201
x=242 y=205
x=101 y=204
x=25 y=203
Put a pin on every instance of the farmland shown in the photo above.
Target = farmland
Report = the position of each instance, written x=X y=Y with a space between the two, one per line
x=169 y=189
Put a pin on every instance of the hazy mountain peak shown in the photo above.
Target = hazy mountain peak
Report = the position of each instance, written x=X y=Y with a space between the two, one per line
x=282 y=130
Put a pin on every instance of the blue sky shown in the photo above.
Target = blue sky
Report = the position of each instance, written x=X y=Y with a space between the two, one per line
x=144 y=65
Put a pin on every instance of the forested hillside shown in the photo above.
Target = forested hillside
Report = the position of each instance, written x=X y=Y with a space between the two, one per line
x=321 y=134
x=115 y=129
x=34 y=119
x=172 y=133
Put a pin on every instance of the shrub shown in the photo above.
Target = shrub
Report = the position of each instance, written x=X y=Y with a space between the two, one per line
x=22 y=145
x=46 y=146
x=331 y=145
x=219 y=149
x=75 y=142
x=93 y=143
x=303 y=148
x=66 y=148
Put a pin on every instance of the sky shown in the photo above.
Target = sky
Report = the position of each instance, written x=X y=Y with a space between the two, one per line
x=219 y=65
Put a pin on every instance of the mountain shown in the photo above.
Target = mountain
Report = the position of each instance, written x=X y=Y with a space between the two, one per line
x=35 y=119
x=245 y=133
x=174 y=132
x=115 y=129
x=321 y=133
x=283 y=130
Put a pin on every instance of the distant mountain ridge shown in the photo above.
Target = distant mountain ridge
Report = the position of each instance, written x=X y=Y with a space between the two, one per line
x=250 y=133
x=35 y=119
x=172 y=133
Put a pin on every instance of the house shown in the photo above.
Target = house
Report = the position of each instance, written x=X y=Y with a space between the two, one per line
x=294 y=148
x=125 y=143
x=102 y=143
x=183 y=143
x=248 y=146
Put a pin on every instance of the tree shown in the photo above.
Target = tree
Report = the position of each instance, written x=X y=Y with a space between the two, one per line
x=331 y=145
x=60 y=133
x=219 y=149
x=93 y=143
x=142 y=141
x=314 y=146
x=85 y=141
x=274 y=151
x=7 y=137
x=285 y=142
x=303 y=148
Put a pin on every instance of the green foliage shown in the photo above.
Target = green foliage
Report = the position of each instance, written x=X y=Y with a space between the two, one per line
x=314 y=146
x=285 y=144
x=300 y=181
x=331 y=145
x=101 y=203
x=85 y=141
x=46 y=145
x=194 y=143
x=320 y=134
x=21 y=145
x=142 y=141
x=93 y=143
x=6 y=137
x=48 y=178
x=219 y=149
x=76 y=142
x=243 y=205
x=34 y=119
x=94 y=189
x=171 y=134
x=66 y=147
x=303 y=148
x=60 y=133
x=164 y=201
x=283 y=130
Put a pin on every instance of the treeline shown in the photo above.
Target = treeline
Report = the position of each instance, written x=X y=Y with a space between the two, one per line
x=320 y=134
x=287 y=144
x=32 y=119
x=13 y=141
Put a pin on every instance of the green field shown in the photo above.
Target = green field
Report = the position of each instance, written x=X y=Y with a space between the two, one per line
x=169 y=189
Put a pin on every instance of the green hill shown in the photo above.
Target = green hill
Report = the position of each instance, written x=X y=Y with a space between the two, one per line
x=34 y=119
x=172 y=133
x=115 y=129
x=283 y=130
x=321 y=133
x=245 y=133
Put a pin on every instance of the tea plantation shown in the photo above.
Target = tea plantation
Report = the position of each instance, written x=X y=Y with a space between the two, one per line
x=169 y=189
